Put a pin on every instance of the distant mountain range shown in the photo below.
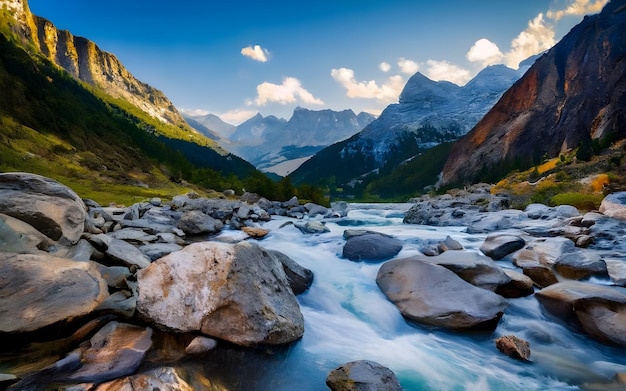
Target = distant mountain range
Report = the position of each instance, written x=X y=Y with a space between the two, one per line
x=429 y=113
x=277 y=145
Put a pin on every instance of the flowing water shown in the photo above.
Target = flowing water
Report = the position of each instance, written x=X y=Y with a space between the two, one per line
x=348 y=318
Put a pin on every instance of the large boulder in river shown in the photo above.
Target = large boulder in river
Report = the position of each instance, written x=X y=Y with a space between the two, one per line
x=614 y=205
x=299 y=277
x=52 y=208
x=195 y=223
x=498 y=246
x=238 y=293
x=371 y=246
x=363 y=375
x=473 y=267
x=40 y=290
x=433 y=295
x=599 y=309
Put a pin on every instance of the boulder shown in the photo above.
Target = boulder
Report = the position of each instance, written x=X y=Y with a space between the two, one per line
x=474 y=268
x=17 y=236
x=155 y=251
x=449 y=244
x=119 y=250
x=161 y=378
x=616 y=269
x=116 y=350
x=535 y=265
x=235 y=292
x=40 y=290
x=499 y=246
x=514 y=347
x=520 y=285
x=311 y=227
x=495 y=221
x=52 y=208
x=600 y=310
x=433 y=295
x=371 y=247
x=578 y=265
x=614 y=205
x=255 y=232
x=363 y=375
x=200 y=345
x=134 y=236
x=195 y=223
x=299 y=278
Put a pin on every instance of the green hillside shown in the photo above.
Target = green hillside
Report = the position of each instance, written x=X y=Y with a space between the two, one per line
x=53 y=125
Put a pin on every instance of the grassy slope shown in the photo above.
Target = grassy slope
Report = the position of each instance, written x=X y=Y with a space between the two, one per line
x=52 y=125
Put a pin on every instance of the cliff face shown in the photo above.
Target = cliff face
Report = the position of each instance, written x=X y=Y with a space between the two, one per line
x=83 y=59
x=574 y=92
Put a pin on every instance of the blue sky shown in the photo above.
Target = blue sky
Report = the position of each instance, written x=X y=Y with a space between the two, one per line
x=237 y=58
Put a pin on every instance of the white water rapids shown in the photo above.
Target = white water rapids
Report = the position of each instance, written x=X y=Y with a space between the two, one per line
x=348 y=318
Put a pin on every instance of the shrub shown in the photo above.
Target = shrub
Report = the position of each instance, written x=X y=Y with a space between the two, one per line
x=582 y=201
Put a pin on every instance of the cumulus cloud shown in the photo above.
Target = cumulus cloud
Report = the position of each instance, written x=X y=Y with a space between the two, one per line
x=485 y=52
x=444 y=70
x=236 y=116
x=578 y=7
x=407 y=66
x=384 y=66
x=256 y=53
x=193 y=112
x=290 y=91
x=388 y=92
x=538 y=37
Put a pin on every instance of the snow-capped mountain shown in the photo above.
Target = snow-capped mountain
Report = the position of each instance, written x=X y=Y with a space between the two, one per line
x=428 y=113
x=280 y=146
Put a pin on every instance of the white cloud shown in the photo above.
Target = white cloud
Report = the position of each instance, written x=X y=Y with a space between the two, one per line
x=256 y=53
x=537 y=38
x=237 y=116
x=444 y=70
x=388 y=92
x=578 y=7
x=485 y=52
x=407 y=66
x=384 y=66
x=289 y=92
x=193 y=112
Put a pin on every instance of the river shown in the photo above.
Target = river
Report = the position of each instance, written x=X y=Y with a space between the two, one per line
x=348 y=318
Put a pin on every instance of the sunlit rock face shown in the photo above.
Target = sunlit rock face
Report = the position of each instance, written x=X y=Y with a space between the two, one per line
x=574 y=93
x=84 y=60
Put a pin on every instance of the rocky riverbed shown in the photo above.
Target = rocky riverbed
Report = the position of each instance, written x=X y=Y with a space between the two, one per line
x=107 y=297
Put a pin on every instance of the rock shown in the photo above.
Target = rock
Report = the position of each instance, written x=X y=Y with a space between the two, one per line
x=472 y=267
x=119 y=250
x=162 y=378
x=583 y=241
x=600 y=310
x=500 y=245
x=155 y=201
x=314 y=209
x=536 y=266
x=155 y=251
x=40 y=290
x=514 y=347
x=431 y=294
x=238 y=293
x=449 y=244
x=250 y=198
x=617 y=270
x=311 y=227
x=17 y=236
x=299 y=278
x=578 y=265
x=195 y=223
x=255 y=232
x=292 y=203
x=115 y=276
x=520 y=285
x=121 y=303
x=116 y=350
x=496 y=221
x=371 y=247
x=81 y=251
x=52 y=208
x=200 y=345
x=134 y=236
x=614 y=205
x=362 y=375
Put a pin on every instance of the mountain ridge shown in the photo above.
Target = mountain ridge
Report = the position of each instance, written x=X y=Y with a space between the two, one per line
x=573 y=94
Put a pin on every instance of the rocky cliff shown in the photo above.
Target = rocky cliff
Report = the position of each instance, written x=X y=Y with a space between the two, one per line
x=82 y=59
x=573 y=94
